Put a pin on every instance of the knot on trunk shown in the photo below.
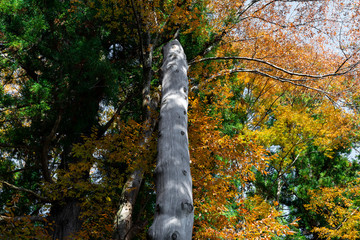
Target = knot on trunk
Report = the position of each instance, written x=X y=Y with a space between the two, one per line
x=175 y=235
x=187 y=206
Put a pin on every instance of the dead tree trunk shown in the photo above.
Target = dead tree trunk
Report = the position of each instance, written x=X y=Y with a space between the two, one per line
x=174 y=202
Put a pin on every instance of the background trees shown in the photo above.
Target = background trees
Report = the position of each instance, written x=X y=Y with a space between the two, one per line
x=273 y=112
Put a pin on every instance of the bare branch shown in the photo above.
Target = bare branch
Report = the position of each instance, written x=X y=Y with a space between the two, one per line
x=293 y=25
x=25 y=190
x=280 y=79
x=210 y=44
x=5 y=145
x=241 y=12
x=347 y=59
x=19 y=218
x=336 y=73
x=268 y=110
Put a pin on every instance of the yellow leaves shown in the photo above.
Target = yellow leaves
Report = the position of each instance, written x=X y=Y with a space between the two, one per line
x=254 y=219
x=104 y=159
x=121 y=147
x=289 y=128
x=277 y=115
x=218 y=161
x=338 y=206
x=21 y=227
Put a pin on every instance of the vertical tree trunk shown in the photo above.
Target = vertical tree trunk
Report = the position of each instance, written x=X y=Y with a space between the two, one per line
x=66 y=218
x=174 y=203
x=123 y=225
x=123 y=218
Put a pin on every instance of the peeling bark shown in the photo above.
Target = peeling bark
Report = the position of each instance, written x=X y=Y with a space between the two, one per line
x=174 y=213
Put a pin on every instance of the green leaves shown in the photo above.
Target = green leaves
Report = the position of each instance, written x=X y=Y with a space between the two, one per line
x=22 y=24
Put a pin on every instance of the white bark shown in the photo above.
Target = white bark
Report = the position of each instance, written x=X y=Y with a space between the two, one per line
x=123 y=218
x=174 y=202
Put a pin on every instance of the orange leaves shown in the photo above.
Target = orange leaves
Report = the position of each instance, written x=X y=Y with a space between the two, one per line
x=339 y=207
x=271 y=36
x=22 y=227
x=97 y=225
x=121 y=147
x=287 y=117
x=253 y=219
x=221 y=165
x=261 y=220
x=209 y=147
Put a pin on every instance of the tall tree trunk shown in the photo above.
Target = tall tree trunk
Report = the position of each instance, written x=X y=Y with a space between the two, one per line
x=65 y=213
x=81 y=117
x=174 y=215
x=123 y=225
x=66 y=217
x=123 y=218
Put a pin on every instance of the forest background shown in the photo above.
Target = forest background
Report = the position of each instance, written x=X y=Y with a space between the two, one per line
x=273 y=116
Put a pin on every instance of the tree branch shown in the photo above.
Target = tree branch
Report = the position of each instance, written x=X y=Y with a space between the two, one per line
x=211 y=43
x=138 y=24
x=45 y=149
x=25 y=190
x=347 y=218
x=5 y=145
x=19 y=218
x=336 y=73
x=20 y=170
x=280 y=79
x=268 y=110
x=104 y=128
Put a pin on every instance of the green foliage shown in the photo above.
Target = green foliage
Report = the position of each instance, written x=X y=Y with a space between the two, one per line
x=72 y=117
